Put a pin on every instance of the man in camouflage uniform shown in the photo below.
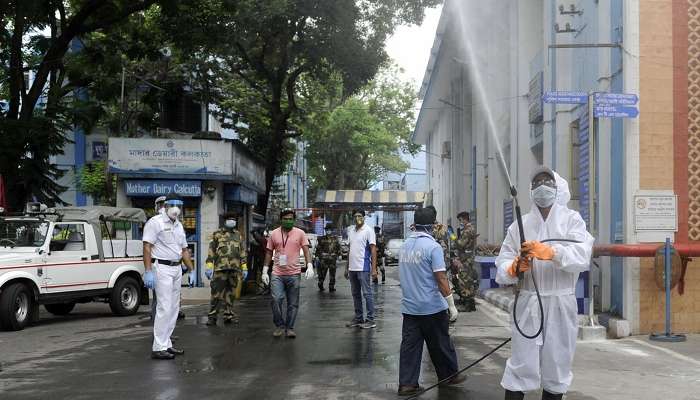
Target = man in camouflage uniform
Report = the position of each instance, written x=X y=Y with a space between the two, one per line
x=226 y=263
x=327 y=252
x=465 y=276
x=381 y=249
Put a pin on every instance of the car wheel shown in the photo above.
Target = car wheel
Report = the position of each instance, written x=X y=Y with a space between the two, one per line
x=59 y=309
x=126 y=297
x=16 y=306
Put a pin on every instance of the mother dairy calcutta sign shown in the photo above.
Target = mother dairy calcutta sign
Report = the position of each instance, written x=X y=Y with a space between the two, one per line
x=169 y=156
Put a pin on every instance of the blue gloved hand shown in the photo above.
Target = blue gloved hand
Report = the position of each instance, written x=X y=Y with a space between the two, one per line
x=209 y=273
x=245 y=274
x=149 y=279
x=193 y=278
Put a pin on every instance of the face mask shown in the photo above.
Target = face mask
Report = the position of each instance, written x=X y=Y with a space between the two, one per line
x=230 y=223
x=173 y=212
x=544 y=196
x=287 y=224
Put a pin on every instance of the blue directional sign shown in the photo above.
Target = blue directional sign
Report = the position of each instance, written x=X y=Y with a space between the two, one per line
x=622 y=99
x=565 y=97
x=615 y=111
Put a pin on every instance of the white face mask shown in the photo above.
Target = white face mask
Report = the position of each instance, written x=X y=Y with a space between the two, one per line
x=544 y=196
x=230 y=223
x=173 y=212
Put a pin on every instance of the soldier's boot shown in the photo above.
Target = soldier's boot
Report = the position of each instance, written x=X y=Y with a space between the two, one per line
x=471 y=304
x=211 y=321
x=228 y=319
x=331 y=288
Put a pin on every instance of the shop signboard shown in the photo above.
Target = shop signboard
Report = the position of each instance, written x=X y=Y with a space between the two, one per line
x=155 y=188
x=147 y=157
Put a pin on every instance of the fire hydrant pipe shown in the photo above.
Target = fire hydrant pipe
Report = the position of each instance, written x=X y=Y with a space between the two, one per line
x=644 y=250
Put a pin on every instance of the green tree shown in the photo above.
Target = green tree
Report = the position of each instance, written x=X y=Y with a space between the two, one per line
x=267 y=46
x=38 y=113
x=91 y=181
x=356 y=141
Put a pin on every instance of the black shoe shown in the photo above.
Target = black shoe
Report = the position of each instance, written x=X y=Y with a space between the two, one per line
x=514 y=395
x=456 y=380
x=407 y=390
x=230 y=320
x=320 y=286
x=175 y=352
x=551 y=396
x=180 y=315
x=162 y=355
x=383 y=280
x=211 y=322
x=331 y=288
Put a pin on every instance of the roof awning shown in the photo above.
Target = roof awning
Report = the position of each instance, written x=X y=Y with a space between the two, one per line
x=390 y=200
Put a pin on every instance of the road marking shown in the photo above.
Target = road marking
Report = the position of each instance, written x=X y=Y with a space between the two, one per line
x=672 y=353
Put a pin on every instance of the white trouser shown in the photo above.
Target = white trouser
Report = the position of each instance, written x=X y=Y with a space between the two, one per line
x=547 y=359
x=168 y=281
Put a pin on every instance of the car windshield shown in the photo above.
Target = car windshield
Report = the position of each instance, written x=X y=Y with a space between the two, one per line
x=22 y=233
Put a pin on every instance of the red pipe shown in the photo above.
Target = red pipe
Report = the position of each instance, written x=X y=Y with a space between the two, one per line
x=643 y=250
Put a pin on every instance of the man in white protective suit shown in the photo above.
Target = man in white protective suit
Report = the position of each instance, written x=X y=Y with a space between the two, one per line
x=544 y=361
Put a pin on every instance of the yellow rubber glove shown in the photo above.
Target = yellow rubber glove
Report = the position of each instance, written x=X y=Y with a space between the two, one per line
x=524 y=266
x=538 y=250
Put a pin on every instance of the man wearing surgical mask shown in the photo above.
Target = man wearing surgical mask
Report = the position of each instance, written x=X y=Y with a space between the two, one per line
x=225 y=265
x=164 y=252
x=546 y=360
x=362 y=263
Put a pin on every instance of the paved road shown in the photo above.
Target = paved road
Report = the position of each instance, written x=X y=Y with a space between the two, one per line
x=91 y=355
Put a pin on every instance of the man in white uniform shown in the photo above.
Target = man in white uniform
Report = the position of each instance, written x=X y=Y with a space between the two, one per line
x=546 y=360
x=164 y=251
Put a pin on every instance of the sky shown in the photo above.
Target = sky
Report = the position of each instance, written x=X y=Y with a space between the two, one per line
x=410 y=46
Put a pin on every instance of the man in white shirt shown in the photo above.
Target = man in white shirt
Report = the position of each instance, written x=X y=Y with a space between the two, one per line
x=164 y=251
x=362 y=261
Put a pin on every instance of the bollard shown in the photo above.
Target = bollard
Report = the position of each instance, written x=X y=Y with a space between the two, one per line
x=667 y=336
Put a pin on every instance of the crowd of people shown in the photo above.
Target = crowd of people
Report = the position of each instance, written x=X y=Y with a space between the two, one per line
x=431 y=257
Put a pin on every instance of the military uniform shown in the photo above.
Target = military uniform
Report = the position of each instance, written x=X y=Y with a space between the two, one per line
x=327 y=253
x=228 y=255
x=381 y=254
x=465 y=277
x=440 y=235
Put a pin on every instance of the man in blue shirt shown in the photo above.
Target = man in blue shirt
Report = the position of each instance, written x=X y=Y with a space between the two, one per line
x=426 y=304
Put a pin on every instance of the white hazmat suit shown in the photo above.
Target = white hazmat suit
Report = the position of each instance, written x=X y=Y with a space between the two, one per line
x=546 y=360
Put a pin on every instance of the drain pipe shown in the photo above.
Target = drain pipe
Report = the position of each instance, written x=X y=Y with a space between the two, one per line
x=685 y=250
x=643 y=249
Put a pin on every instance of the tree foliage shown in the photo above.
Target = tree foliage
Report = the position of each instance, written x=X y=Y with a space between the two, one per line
x=91 y=181
x=355 y=141
x=38 y=113
x=267 y=46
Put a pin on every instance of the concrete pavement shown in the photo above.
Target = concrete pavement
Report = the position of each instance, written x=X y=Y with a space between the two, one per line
x=91 y=354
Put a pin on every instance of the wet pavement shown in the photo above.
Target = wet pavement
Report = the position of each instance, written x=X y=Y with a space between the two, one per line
x=91 y=355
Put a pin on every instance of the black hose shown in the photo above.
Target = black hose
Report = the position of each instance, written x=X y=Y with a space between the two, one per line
x=460 y=371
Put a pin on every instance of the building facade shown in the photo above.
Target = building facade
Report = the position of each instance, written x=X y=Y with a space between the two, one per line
x=484 y=120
